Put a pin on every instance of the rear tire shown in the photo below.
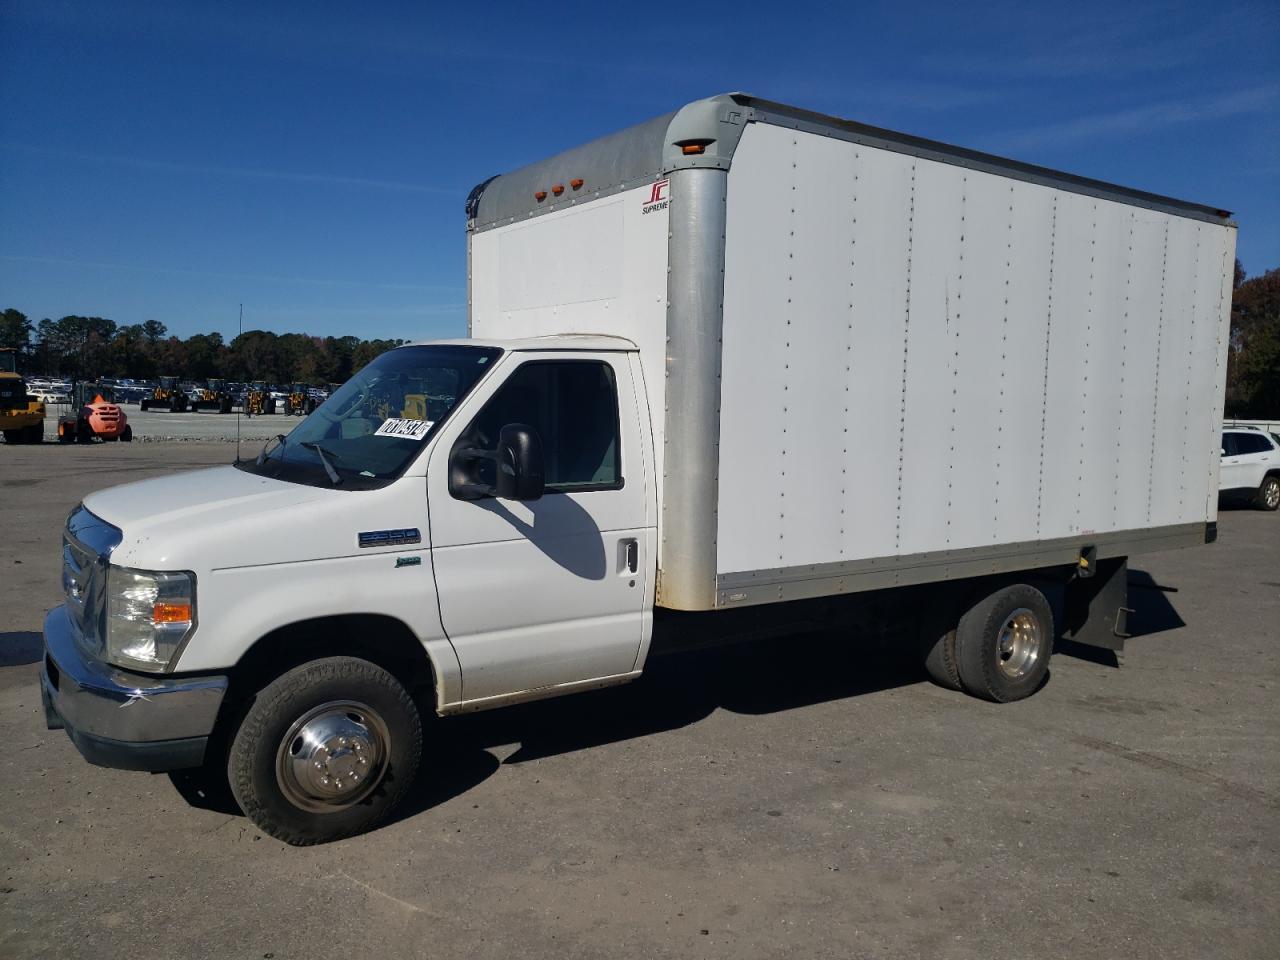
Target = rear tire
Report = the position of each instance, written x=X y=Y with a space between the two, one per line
x=127 y=435
x=938 y=645
x=142 y=405
x=35 y=434
x=326 y=751
x=13 y=436
x=1268 y=496
x=84 y=432
x=1003 y=644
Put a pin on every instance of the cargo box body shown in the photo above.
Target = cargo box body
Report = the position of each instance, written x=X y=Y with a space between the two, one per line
x=873 y=360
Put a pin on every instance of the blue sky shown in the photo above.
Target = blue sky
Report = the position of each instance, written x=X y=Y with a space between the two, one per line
x=171 y=160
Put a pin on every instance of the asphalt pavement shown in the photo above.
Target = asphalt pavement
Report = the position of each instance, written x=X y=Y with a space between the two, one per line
x=805 y=797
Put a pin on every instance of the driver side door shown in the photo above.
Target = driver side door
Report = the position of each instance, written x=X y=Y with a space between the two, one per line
x=535 y=595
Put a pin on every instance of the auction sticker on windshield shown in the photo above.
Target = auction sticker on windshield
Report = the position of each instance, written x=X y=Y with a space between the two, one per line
x=405 y=429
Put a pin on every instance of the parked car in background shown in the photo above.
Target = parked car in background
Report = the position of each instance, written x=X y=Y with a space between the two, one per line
x=1250 y=466
x=49 y=394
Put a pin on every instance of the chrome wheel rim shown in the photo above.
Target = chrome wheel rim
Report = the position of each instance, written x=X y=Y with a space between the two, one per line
x=1018 y=644
x=1273 y=494
x=333 y=756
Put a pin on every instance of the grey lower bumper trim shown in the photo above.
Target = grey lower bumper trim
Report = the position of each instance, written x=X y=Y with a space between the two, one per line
x=122 y=719
x=852 y=576
x=153 y=755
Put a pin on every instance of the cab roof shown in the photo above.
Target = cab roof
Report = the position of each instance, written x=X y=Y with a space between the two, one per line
x=563 y=341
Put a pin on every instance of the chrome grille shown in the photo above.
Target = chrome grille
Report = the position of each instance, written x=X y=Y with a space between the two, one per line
x=87 y=543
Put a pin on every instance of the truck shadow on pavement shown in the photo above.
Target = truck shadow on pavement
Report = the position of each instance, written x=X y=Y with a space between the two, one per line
x=20 y=647
x=677 y=690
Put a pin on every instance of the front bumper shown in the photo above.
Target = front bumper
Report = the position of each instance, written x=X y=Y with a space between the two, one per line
x=121 y=719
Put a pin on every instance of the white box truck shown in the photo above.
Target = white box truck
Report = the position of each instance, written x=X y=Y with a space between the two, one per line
x=738 y=368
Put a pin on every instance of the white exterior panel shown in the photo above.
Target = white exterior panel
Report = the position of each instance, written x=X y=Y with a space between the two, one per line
x=922 y=357
x=598 y=267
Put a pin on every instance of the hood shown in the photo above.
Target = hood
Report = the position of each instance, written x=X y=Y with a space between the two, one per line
x=211 y=496
x=223 y=518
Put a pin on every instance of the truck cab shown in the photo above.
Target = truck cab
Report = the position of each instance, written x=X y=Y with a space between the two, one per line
x=473 y=521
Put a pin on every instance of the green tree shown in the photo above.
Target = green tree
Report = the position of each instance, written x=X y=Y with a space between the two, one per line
x=15 y=331
x=154 y=331
x=1253 y=357
x=205 y=356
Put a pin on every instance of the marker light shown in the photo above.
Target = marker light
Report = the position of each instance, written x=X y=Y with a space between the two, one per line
x=558 y=189
x=576 y=183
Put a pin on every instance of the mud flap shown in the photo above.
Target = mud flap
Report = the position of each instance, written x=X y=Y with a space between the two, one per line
x=1096 y=608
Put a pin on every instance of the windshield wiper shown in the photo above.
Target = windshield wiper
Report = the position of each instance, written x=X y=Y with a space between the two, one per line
x=262 y=455
x=328 y=467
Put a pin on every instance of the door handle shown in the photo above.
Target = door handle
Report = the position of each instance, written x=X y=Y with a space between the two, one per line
x=631 y=555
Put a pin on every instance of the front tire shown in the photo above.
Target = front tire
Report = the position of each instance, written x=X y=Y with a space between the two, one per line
x=1003 y=644
x=1268 y=497
x=326 y=751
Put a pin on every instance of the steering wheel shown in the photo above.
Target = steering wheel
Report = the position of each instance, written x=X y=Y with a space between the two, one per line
x=341 y=413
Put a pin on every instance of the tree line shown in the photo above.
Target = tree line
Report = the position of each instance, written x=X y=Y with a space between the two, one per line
x=1253 y=361
x=86 y=347
x=90 y=347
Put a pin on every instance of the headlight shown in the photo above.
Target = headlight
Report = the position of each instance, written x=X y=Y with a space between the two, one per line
x=149 y=614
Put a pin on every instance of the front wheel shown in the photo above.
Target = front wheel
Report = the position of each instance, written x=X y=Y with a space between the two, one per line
x=1268 y=497
x=326 y=751
x=1003 y=644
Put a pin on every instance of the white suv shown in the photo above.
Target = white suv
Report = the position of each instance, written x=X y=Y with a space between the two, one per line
x=1251 y=466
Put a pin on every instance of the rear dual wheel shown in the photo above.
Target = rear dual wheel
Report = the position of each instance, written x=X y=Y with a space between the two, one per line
x=1000 y=648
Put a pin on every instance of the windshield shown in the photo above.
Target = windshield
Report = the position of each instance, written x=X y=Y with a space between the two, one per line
x=373 y=425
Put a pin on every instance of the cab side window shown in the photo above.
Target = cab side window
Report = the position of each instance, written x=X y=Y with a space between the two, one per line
x=573 y=404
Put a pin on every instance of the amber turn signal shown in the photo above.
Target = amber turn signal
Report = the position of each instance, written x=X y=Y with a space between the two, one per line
x=171 y=613
x=576 y=183
x=540 y=195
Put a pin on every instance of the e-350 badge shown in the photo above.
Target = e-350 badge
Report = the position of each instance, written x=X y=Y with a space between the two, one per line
x=388 y=538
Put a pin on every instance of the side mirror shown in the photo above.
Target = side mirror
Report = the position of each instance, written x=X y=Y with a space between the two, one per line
x=519 y=465
x=518 y=472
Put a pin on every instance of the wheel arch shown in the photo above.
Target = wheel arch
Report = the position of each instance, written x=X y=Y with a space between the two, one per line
x=379 y=638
